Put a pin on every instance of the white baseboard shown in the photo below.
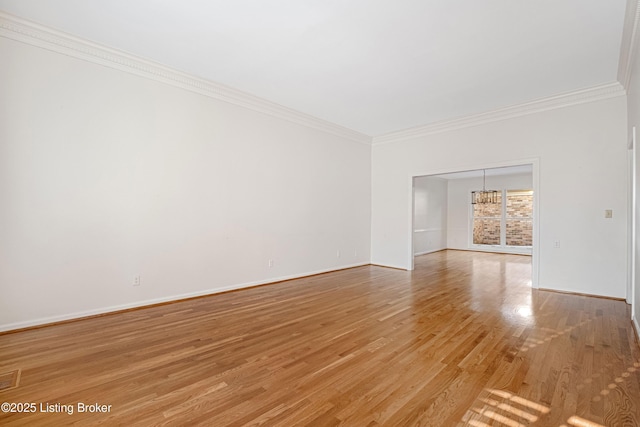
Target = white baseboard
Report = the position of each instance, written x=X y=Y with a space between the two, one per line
x=138 y=304
x=429 y=252
x=397 y=267
x=500 y=250
x=584 y=294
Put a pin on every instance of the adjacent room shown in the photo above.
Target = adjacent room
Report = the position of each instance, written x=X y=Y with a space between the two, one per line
x=446 y=216
x=319 y=213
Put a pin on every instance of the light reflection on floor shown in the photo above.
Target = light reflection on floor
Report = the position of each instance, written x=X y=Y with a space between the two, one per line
x=501 y=408
x=512 y=408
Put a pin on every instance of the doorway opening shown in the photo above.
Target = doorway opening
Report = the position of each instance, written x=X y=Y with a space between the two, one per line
x=444 y=217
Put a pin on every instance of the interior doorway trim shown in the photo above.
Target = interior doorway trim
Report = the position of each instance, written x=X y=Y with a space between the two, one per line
x=535 y=166
x=633 y=226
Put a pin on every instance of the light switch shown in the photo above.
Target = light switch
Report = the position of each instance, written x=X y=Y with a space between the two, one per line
x=608 y=213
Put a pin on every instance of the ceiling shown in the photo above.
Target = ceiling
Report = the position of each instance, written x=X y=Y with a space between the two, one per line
x=374 y=66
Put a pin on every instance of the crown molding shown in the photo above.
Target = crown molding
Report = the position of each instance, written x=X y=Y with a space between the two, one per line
x=596 y=93
x=629 y=42
x=28 y=32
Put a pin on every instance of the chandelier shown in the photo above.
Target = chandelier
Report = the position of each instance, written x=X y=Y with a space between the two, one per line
x=485 y=196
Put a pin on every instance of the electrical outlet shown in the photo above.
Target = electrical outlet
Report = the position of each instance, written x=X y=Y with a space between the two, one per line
x=270 y=263
x=136 y=281
x=338 y=253
x=556 y=244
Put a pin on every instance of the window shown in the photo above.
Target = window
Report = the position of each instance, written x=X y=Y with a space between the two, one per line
x=508 y=223
x=519 y=218
x=487 y=223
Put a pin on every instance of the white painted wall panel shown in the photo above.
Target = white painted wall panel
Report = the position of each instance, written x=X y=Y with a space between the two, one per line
x=430 y=215
x=633 y=116
x=581 y=151
x=105 y=175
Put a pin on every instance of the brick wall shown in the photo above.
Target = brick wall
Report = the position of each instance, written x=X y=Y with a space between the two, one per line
x=519 y=227
x=519 y=233
x=486 y=232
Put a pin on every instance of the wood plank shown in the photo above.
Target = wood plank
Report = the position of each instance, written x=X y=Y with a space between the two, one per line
x=461 y=340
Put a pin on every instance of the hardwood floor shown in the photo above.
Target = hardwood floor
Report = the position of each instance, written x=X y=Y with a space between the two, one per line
x=462 y=340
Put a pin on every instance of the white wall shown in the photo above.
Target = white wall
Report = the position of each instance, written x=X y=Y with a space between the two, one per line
x=430 y=215
x=582 y=171
x=633 y=111
x=458 y=230
x=105 y=175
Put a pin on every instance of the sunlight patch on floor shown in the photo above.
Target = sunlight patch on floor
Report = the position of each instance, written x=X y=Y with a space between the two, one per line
x=577 y=421
x=505 y=408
